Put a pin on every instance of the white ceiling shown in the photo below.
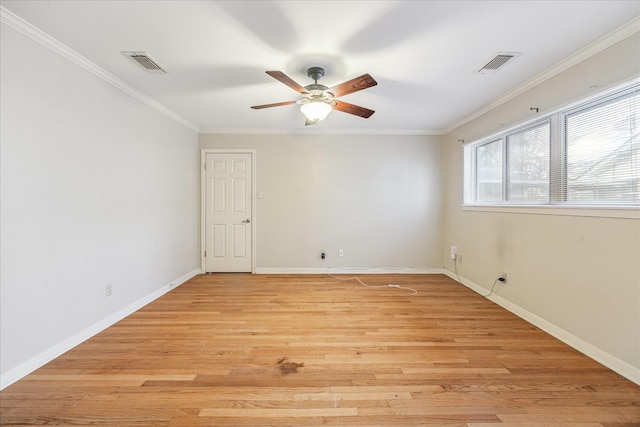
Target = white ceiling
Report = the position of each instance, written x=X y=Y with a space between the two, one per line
x=423 y=54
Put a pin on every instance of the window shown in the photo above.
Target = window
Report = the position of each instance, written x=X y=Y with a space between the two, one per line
x=528 y=165
x=603 y=159
x=585 y=155
x=489 y=172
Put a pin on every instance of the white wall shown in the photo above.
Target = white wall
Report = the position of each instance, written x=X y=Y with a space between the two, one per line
x=577 y=277
x=379 y=198
x=96 y=188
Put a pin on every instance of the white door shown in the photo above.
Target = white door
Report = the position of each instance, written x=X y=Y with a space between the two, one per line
x=228 y=240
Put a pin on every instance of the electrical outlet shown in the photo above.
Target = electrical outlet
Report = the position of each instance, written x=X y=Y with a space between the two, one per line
x=323 y=254
x=340 y=252
x=454 y=252
x=108 y=290
x=503 y=277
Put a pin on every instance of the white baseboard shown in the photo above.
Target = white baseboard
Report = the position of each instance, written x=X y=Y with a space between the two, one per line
x=45 y=357
x=628 y=371
x=621 y=367
x=180 y=280
x=355 y=270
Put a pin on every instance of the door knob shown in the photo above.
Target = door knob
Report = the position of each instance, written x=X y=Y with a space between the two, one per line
x=246 y=221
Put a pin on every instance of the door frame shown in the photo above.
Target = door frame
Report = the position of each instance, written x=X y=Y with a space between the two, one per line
x=203 y=159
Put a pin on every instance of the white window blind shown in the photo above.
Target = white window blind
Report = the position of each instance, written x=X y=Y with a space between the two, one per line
x=603 y=151
x=583 y=155
x=528 y=165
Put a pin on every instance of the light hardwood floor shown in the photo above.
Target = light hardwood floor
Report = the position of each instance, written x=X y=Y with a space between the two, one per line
x=237 y=349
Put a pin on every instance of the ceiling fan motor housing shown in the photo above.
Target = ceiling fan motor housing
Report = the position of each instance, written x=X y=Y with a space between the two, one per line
x=316 y=89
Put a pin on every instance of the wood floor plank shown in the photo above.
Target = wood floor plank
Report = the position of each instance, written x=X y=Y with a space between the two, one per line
x=271 y=412
x=309 y=350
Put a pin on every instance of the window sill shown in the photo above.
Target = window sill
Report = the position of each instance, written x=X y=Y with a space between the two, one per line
x=626 y=212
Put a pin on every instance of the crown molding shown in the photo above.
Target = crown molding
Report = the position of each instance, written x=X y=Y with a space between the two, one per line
x=617 y=35
x=27 y=29
x=415 y=132
x=14 y=21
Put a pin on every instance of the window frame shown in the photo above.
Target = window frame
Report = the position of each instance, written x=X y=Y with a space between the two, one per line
x=557 y=203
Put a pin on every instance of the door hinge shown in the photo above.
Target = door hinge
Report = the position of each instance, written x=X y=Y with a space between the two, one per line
x=205 y=254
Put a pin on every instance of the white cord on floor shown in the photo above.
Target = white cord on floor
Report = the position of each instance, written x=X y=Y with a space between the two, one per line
x=344 y=279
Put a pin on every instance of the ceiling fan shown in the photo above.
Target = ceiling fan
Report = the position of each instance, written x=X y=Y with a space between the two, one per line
x=318 y=100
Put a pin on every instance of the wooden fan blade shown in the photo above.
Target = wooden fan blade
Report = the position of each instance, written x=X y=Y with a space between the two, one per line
x=283 y=78
x=277 y=104
x=356 y=110
x=353 y=85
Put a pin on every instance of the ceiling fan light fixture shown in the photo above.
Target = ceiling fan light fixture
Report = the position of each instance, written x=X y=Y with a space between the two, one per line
x=316 y=110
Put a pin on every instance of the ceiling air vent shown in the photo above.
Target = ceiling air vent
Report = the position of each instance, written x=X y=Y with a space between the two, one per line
x=147 y=62
x=497 y=62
